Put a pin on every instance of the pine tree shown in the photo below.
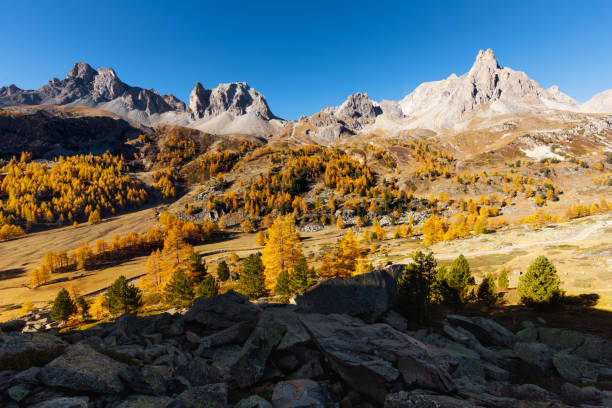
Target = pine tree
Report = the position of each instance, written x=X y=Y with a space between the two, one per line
x=252 y=279
x=122 y=297
x=540 y=285
x=282 y=249
x=459 y=276
x=197 y=267
x=502 y=280
x=415 y=286
x=282 y=286
x=63 y=306
x=487 y=292
x=208 y=287
x=298 y=280
x=223 y=271
x=179 y=290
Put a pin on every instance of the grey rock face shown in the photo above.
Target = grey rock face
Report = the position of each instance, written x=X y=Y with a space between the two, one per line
x=254 y=401
x=84 y=369
x=404 y=399
x=366 y=296
x=222 y=311
x=64 y=402
x=358 y=105
x=16 y=349
x=486 y=330
x=298 y=394
x=348 y=344
x=236 y=98
x=207 y=396
x=534 y=353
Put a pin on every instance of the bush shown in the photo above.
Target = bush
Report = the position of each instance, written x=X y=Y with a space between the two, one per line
x=122 y=297
x=540 y=284
x=63 y=306
x=502 y=280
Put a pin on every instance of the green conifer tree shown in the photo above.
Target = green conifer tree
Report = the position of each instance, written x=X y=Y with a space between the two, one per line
x=487 y=291
x=414 y=287
x=298 y=281
x=208 y=287
x=122 y=297
x=252 y=279
x=282 y=286
x=63 y=306
x=197 y=267
x=459 y=277
x=223 y=272
x=540 y=285
x=179 y=291
x=502 y=280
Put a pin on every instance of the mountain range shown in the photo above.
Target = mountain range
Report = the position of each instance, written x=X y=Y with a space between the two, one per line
x=486 y=93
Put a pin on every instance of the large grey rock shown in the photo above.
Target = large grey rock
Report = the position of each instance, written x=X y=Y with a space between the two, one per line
x=415 y=399
x=145 y=401
x=251 y=363
x=83 y=369
x=374 y=358
x=534 y=353
x=198 y=372
x=574 y=368
x=63 y=402
x=254 y=401
x=581 y=395
x=590 y=347
x=298 y=394
x=223 y=311
x=367 y=296
x=487 y=331
x=24 y=350
x=14 y=325
x=206 y=396
x=151 y=380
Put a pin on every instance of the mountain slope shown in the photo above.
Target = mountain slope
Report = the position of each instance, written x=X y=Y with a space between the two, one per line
x=600 y=103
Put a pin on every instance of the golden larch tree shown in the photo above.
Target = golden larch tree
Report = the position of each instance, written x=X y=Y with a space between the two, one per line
x=282 y=250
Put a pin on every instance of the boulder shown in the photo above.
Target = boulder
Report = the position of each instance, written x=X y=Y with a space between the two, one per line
x=144 y=401
x=206 y=396
x=574 y=368
x=487 y=331
x=19 y=351
x=63 y=402
x=83 y=369
x=15 y=325
x=251 y=363
x=587 y=346
x=298 y=394
x=223 y=311
x=150 y=380
x=374 y=358
x=367 y=296
x=534 y=353
x=415 y=399
x=581 y=395
x=254 y=401
x=198 y=372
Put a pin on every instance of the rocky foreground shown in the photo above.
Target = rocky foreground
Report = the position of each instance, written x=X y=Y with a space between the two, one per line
x=226 y=351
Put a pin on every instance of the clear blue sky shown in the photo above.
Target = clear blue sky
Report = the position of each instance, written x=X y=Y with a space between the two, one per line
x=306 y=55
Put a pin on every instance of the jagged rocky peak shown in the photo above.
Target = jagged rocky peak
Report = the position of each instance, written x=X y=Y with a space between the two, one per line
x=358 y=105
x=236 y=98
x=82 y=70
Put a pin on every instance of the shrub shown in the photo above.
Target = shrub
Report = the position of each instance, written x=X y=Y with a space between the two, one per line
x=540 y=284
x=208 y=287
x=502 y=280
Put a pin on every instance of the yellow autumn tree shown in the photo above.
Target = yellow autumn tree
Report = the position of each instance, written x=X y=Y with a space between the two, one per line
x=97 y=310
x=156 y=276
x=341 y=261
x=340 y=222
x=261 y=238
x=282 y=250
x=26 y=307
x=222 y=222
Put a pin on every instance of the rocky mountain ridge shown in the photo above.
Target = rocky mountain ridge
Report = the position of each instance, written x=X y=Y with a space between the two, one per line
x=226 y=351
x=235 y=102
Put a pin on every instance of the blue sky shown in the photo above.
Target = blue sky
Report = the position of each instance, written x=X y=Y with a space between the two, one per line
x=306 y=55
